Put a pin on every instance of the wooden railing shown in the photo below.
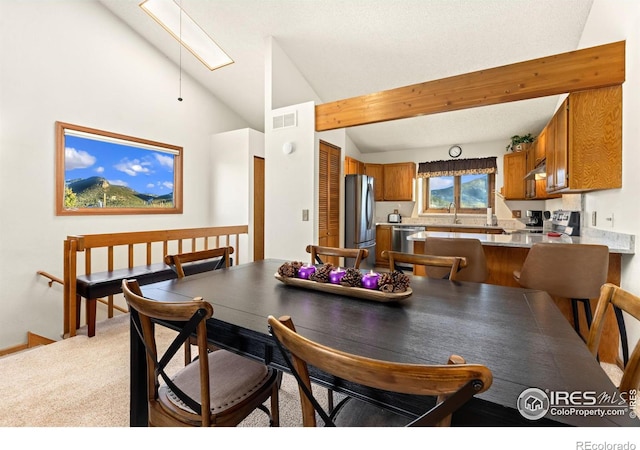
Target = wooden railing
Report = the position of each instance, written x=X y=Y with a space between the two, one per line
x=137 y=245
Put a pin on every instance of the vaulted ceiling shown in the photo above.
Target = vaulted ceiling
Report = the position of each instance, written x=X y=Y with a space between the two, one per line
x=347 y=48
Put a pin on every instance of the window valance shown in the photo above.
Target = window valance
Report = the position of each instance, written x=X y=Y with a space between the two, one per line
x=456 y=167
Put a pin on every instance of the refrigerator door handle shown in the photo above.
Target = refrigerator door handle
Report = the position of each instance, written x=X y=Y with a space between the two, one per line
x=369 y=207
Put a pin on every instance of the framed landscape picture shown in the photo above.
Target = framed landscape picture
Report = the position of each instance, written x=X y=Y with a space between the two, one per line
x=99 y=172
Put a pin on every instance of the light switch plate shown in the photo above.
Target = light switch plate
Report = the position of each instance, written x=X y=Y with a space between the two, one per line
x=305 y=215
x=516 y=214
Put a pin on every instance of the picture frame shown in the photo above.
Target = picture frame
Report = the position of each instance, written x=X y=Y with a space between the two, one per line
x=104 y=173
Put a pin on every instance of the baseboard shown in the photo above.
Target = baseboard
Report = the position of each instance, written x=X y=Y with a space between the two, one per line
x=33 y=340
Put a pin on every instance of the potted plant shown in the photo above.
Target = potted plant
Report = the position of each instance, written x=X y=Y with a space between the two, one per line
x=517 y=141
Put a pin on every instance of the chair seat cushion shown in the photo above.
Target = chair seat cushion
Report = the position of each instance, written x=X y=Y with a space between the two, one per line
x=352 y=412
x=233 y=378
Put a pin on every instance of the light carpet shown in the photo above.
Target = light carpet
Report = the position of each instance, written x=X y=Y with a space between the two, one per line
x=84 y=382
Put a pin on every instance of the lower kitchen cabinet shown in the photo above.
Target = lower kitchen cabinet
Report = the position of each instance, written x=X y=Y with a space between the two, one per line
x=383 y=242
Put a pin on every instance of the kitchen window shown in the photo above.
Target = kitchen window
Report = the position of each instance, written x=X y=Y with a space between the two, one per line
x=468 y=185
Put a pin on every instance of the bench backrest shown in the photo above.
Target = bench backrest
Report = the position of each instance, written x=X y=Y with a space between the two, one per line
x=140 y=248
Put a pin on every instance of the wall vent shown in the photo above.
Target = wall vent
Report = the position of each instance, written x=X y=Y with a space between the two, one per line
x=285 y=120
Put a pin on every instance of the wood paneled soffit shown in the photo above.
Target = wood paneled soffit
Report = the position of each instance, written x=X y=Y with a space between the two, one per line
x=578 y=70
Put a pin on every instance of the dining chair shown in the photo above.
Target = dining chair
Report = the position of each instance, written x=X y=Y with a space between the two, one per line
x=219 y=388
x=617 y=298
x=181 y=262
x=220 y=258
x=357 y=254
x=471 y=249
x=451 y=385
x=573 y=271
x=451 y=264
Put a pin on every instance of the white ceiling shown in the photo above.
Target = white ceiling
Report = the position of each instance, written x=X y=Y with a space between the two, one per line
x=346 y=48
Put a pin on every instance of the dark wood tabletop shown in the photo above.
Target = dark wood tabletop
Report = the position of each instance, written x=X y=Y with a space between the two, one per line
x=517 y=333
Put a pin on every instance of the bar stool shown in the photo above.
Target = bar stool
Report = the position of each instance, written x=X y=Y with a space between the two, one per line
x=574 y=271
x=471 y=249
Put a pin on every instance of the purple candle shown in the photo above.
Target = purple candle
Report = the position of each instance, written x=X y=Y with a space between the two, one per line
x=305 y=272
x=336 y=275
x=370 y=280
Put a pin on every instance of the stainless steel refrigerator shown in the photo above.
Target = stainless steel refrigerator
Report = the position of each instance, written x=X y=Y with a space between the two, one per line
x=360 y=227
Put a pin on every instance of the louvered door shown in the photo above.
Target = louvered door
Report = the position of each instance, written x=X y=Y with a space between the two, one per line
x=329 y=197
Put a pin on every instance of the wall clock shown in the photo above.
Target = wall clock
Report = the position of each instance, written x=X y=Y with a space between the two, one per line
x=455 y=151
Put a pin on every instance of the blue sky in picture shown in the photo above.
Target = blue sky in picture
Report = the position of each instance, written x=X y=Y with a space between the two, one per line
x=145 y=171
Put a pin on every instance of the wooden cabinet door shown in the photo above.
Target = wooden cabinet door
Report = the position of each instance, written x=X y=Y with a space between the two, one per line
x=350 y=166
x=377 y=172
x=353 y=166
x=383 y=242
x=515 y=166
x=561 y=149
x=329 y=197
x=540 y=148
x=398 y=181
x=595 y=139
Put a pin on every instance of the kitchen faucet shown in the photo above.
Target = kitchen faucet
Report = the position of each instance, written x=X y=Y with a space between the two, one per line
x=455 y=212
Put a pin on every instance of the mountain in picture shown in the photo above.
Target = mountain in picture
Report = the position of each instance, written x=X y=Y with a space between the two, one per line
x=97 y=192
x=473 y=193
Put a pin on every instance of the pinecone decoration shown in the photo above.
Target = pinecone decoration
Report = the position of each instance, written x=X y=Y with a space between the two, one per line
x=321 y=275
x=400 y=282
x=287 y=270
x=393 y=282
x=296 y=265
x=385 y=282
x=352 y=278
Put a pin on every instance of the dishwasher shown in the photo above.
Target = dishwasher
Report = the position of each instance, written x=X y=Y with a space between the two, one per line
x=400 y=243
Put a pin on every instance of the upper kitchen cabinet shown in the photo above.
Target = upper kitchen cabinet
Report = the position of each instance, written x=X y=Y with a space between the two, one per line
x=352 y=166
x=515 y=168
x=398 y=181
x=377 y=172
x=584 y=142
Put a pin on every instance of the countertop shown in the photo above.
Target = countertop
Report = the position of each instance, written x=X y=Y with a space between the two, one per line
x=617 y=243
x=441 y=225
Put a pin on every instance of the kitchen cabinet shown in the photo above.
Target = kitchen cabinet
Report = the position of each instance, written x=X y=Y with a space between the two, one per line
x=584 y=142
x=515 y=168
x=377 y=172
x=398 y=181
x=352 y=166
x=383 y=242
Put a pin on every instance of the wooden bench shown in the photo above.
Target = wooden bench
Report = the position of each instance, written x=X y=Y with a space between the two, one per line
x=138 y=255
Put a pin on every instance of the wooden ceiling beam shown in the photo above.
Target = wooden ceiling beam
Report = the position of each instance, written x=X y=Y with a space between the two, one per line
x=578 y=70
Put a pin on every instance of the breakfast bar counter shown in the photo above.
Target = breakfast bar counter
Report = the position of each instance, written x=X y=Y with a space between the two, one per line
x=617 y=243
x=506 y=253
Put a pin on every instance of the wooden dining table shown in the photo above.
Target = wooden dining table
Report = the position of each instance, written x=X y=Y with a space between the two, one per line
x=519 y=334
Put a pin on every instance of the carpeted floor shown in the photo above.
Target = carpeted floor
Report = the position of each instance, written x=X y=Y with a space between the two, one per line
x=82 y=382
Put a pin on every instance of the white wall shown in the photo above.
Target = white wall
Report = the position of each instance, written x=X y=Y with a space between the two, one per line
x=76 y=62
x=231 y=182
x=612 y=21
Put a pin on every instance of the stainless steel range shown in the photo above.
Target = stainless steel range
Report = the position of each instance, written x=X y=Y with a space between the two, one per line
x=566 y=222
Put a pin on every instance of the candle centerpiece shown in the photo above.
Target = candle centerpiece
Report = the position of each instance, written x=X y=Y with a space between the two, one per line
x=370 y=280
x=336 y=275
x=306 y=271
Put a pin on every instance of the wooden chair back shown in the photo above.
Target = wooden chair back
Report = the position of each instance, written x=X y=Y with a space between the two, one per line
x=452 y=263
x=147 y=309
x=178 y=260
x=614 y=296
x=358 y=254
x=471 y=249
x=457 y=382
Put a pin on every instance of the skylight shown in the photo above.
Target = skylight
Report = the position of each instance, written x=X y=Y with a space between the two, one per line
x=183 y=28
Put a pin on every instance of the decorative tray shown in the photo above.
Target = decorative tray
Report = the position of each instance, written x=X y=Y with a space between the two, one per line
x=367 y=294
